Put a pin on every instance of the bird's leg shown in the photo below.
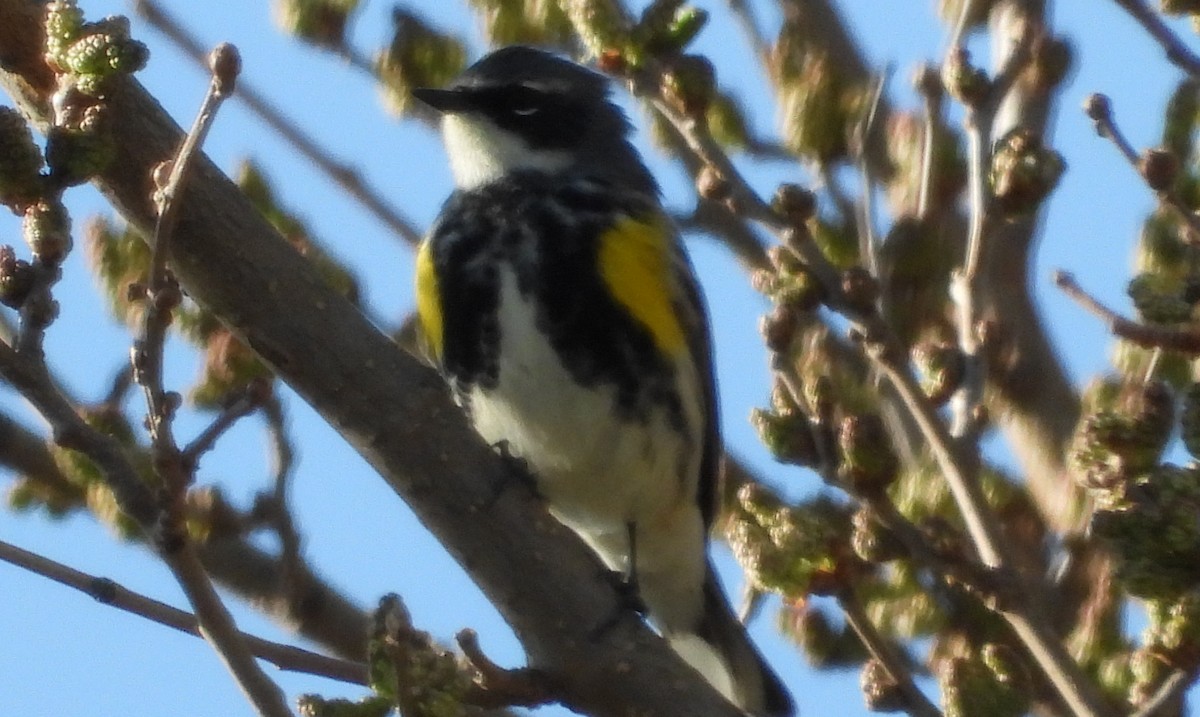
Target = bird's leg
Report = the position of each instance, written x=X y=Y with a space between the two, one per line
x=516 y=471
x=631 y=594
x=628 y=597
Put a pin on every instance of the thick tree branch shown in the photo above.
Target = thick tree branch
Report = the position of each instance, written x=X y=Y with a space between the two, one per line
x=1035 y=403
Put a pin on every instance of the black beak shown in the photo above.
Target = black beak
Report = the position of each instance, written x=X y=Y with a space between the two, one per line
x=445 y=101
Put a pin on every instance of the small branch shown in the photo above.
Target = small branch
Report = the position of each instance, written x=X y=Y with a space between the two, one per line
x=881 y=649
x=1099 y=108
x=163 y=295
x=242 y=404
x=218 y=628
x=967 y=285
x=1177 y=52
x=162 y=291
x=285 y=657
x=283 y=459
x=1184 y=340
x=866 y=219
x=119 y=388
x=929 y=85
x=343 y=175
x=1171 y=689
x=501 y=687
x=965 y=11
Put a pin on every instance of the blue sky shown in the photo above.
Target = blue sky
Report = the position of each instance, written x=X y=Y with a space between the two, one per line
x=61 y=653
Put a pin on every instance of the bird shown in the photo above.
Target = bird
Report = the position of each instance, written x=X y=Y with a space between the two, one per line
x=557 y=299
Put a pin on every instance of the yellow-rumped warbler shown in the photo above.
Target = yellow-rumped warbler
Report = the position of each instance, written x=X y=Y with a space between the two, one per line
x=559 y=303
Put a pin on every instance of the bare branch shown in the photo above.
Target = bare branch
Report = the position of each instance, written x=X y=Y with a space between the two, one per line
x=342 y=174
x=897 y=668
x=1184 y=339
x=1099 y=108
x=285 y=657
x=1177 y=52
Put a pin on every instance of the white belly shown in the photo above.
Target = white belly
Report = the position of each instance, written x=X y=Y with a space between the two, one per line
x=599 y=472
x=602 y=473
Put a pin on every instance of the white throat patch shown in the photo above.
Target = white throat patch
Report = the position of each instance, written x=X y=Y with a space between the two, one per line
x=481 y=152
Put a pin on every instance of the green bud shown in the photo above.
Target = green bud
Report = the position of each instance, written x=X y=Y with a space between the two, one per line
x=727 y=121
x=786 y=435
x=64 y=21
x=20 y=160
x=686 y=25
x=871 y=541
x=965 y=82
x=103 y=55
x=689 y=85
x=880 y=691
x=519 y=23
x=971 y=689
x=1179 y=120
x=317 y=706
x=418 y=55
x=818 y=104
x=1023 y=172
x=321 y=22
x=76 y=155
x=47 y=230
x=942 y=367
x=1180 y=7
x=1154 y=533
x=601 y=25
x=16 y=278
x=1159 y=299
x=869 y=463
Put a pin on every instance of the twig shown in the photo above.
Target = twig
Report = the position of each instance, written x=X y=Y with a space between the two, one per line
x=342 y=174
x=1171 y=689
x=1184 y=340
x=122 y=380
x=285 y=657
x=966 y=9
x=977 y=577
x=916 y=701
x=283 y=459
x=163 y=295
x=162 y=291
x=241 y=405
x=1024 y=615
x=1177 y=52
x=501 y=687
x=929 y=85
x=32 y=380
x=967 y=289
x=866 y=221
x=1099 y=108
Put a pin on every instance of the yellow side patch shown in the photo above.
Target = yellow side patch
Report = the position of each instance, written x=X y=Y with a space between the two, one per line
x=635 y=263
x=429 y=301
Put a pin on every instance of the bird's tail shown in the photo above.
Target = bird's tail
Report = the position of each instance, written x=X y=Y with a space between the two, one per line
x=721 y=650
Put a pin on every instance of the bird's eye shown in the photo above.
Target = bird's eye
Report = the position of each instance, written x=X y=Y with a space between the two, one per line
x=525 y=101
